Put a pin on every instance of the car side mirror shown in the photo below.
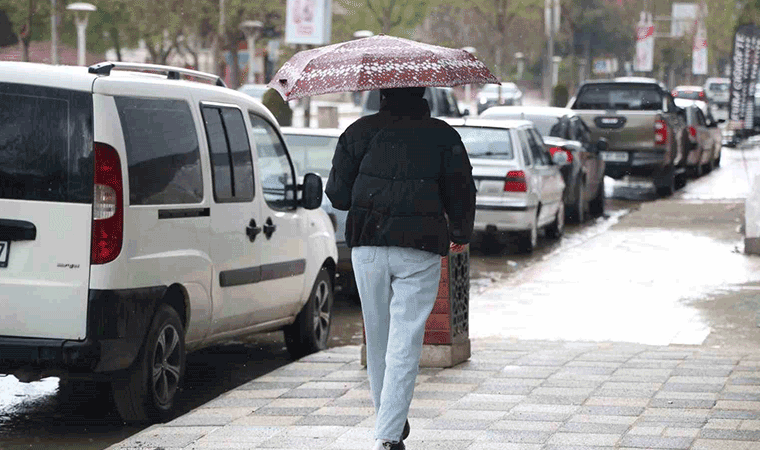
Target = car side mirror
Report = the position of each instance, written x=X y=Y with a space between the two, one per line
x=721 y=120
x=466 y=112
x=602 y=145
x=312 y=191
x=560 y=158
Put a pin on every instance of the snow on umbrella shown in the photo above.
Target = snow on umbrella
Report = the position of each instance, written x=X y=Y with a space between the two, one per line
x=377 y=62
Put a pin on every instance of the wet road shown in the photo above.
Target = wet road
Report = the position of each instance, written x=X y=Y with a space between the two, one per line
x=662 y=271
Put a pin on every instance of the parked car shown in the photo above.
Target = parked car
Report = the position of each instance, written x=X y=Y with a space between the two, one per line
x=441 y=100
x=689 y=93
x=562 y=129
x=642 y=124
x=718 y=91
x=143 y=216
x=705 y=138
x=256 y=91
x=519 y=182
x=505 y=94
x=312 y=150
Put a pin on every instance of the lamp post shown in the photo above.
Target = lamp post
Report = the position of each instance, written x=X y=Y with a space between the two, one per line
x=81 y=12
x=251 y=29
x=467 y=87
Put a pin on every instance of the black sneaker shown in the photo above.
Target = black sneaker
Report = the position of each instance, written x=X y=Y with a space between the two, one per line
x=407 y=430
x=391 y=446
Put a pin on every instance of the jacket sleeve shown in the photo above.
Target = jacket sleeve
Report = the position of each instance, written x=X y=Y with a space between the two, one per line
x=458 y=193
x=340 y=183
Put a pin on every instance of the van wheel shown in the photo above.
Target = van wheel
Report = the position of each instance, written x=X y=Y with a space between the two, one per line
x=596 y=205
x=308 y=334
x=145 y=392
x=557 y=228
x=577 y=211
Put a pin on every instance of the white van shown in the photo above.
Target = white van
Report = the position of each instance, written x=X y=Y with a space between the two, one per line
x=143 y=215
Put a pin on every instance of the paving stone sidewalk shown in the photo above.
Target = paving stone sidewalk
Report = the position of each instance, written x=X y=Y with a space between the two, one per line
x=511 y=394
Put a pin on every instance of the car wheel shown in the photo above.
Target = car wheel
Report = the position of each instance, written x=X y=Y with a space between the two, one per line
x=557 y=228
x=666 y=185
x=309 y=332
x=596 y=206
x=145 y=392
x=527 y=240
x=578 y=209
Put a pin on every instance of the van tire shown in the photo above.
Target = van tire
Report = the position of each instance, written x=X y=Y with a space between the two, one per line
x=310 y=331
x=137 y=397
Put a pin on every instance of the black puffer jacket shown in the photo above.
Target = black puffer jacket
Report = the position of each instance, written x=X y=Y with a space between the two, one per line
x=400 y=174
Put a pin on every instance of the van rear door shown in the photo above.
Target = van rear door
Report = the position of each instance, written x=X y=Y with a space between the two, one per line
x=46 y=195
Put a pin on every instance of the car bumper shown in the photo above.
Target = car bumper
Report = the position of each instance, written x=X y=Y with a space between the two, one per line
x=640 y=163
x=117 y=321
x=498 y=218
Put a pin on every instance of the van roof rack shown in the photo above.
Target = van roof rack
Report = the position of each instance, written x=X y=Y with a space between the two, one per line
x=172 y=73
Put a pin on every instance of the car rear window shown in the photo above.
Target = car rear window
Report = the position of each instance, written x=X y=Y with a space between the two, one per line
x=311 y=153
x=162 y=151
x=689 y=95
x=718 y=87
x=487 y=143
x=45 y=144
x=641 y=97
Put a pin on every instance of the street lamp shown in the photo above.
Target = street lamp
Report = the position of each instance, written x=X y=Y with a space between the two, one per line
x=251 y=29
x=81 y=12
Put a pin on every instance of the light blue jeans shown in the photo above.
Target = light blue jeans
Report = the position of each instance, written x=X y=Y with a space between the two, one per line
x=398 y=287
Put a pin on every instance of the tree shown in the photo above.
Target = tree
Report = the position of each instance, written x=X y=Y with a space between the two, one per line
x=29 y=21
x=391 y=17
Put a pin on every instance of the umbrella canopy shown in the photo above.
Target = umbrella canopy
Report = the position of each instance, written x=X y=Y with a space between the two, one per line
x=376 y=62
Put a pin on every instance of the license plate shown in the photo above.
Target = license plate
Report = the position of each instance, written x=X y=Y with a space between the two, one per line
x=614 y=156
x=5 y=251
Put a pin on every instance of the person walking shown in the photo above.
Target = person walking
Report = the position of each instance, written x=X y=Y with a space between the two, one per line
x=406 y=182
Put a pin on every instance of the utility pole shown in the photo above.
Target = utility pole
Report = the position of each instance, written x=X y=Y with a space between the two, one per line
x=550 y=5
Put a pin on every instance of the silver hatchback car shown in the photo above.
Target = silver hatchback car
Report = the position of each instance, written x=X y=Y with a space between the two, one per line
x=519 y=183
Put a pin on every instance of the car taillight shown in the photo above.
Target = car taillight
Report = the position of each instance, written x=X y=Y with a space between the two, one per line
x=107 y=208
x=660 y=131
x=701 y=94
x=674 y=93
x=567 y=152
x=515 y=182
x=692 y=133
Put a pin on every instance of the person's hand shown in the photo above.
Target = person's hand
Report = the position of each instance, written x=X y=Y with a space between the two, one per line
x=457 y=248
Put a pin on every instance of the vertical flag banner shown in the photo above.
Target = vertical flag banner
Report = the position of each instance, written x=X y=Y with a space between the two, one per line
x=699 y=49
x=644 y=61
x=744 y=70
x=308 y=22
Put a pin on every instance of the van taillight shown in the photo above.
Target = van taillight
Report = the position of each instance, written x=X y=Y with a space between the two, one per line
x=107 y=208
x=660 y=132
x=692 y=133
x=515 y=182
x=554 y=150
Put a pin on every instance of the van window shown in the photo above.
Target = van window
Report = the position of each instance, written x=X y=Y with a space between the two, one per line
x=45 y=144
x=231 y=162
x=163 y=154
x=275 y=169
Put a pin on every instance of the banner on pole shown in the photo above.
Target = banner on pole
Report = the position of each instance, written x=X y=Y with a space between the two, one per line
x=644 y=61
x=308 y=22
x=744 y=70
x=699 y=49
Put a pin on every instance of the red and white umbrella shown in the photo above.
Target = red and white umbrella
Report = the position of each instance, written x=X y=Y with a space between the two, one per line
x=377 y=62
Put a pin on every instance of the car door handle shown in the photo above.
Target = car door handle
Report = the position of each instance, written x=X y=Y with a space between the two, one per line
x=269 y=228
x=252 y=230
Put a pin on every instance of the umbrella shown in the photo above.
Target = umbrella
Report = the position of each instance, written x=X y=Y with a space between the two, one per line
x=376 y=62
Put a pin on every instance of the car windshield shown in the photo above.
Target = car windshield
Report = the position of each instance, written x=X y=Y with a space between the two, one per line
x=311 y=153
x=620 y=96
x=718 y=87
x=490 y=143
x=254 y=91
x=546 y=125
